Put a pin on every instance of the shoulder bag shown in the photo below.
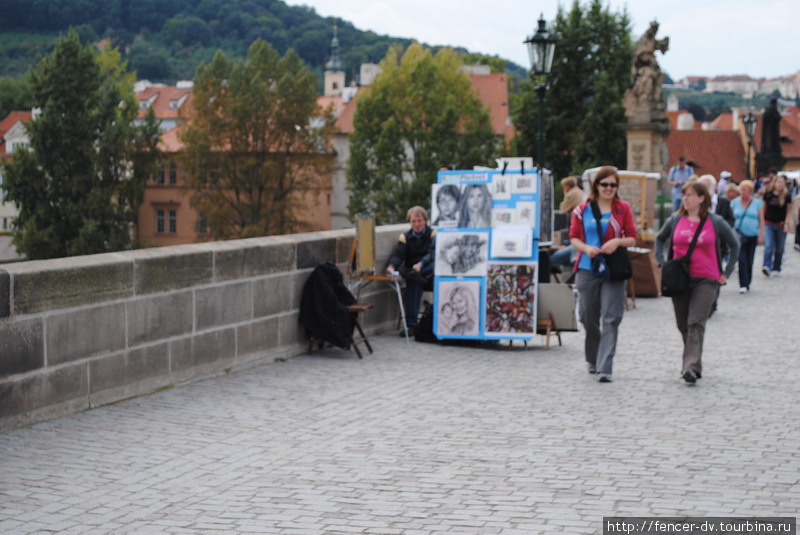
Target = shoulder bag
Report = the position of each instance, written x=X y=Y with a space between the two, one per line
x=615 y=266
x=675 y=271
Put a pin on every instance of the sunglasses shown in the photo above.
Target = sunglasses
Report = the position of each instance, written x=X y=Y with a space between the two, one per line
x=611 y=185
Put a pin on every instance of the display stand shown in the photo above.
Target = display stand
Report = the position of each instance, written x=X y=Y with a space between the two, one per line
x=489 y=228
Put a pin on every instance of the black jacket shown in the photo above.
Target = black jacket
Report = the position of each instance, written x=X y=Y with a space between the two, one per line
x=725 y=211
x=411 y=249
x=323 y=307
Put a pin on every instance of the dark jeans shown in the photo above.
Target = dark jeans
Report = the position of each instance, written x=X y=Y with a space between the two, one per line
x=774 y=240
x=413 y=295
x=746 y=256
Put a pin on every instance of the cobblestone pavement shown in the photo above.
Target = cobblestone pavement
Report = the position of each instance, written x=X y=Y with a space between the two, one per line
x=439 y=440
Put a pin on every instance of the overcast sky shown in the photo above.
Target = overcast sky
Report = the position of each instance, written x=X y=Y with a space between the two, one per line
x=707 y=37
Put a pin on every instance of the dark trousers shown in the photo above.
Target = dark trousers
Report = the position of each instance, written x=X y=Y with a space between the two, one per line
x=413 y=294
x=746 y=256
x=691 y=312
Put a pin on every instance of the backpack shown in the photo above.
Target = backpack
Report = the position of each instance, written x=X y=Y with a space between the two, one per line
x=424 y=330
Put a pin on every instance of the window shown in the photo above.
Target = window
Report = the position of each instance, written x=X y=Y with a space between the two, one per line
x=173 y=173
x=202 y=224
x=173 y=221
x=159 y=221
x=159 y=178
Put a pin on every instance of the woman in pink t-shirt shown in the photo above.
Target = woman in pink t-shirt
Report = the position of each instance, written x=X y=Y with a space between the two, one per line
x=693 y=307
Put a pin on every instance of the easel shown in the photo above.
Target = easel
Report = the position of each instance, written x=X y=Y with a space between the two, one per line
x=361 y=264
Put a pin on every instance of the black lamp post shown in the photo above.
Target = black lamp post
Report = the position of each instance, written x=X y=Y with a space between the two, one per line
x=750 y=130
x=541 y=48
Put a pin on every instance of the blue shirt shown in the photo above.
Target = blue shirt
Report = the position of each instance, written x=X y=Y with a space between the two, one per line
x=676 y=173
x=590 y=233
x=746 y=220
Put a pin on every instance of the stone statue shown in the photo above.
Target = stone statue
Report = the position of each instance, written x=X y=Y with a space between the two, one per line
x=644 y=101
x=770 y=130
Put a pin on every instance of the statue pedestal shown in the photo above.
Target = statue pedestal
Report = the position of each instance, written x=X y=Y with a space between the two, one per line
x=647 y=146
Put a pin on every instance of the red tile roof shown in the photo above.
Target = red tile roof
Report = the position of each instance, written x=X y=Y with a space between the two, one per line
x=10 y=120
x=164 y=96
x=724 y=121
x=790 y=137
x=709 y=151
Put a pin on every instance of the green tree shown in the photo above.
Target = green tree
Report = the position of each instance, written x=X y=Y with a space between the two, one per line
x=257 y=142
x=15 y=95
x=583 y=106
x=420 y=114
x=79 y=187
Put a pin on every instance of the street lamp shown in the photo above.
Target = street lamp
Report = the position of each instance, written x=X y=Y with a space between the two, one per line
x=749 y=123
x=541 y=48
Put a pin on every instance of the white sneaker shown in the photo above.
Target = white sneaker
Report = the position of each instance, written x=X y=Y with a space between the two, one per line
x=774 y=273
x=743 y=290
x=765 y=271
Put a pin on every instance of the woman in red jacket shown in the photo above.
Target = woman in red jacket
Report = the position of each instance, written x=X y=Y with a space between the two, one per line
x=601 y=302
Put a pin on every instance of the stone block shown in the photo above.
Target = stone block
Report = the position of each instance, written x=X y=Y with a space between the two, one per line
x=273 y=295
x=21 y=345
x=223 y=305
x=172 y=268
x=257 y=337
x=311 y=253
x=46 y=285
x=299 y=279
x=85 y=333
x=241 y=259
x=290 y=332
x=64 y=385
x=216 y=347
x=157 y=317
x=129 y=373
x=5 y=294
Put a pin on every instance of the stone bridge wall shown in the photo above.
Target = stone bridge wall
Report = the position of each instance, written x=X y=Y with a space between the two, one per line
x=85 y=331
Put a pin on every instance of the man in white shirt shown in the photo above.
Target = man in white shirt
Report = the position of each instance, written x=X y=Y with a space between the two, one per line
x=724 y=179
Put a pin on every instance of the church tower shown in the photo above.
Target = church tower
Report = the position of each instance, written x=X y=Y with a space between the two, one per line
x=334 y=75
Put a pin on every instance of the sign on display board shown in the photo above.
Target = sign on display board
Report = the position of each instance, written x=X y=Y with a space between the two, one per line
x=487 y=248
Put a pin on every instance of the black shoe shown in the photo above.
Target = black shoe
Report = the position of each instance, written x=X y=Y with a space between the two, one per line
x=690 y=377
x=410 y=332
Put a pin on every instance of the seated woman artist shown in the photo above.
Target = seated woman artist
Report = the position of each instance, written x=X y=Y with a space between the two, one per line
x=413 y=258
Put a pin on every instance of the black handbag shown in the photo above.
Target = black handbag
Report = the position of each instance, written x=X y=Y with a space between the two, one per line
x=675 y=271
x=615 y=266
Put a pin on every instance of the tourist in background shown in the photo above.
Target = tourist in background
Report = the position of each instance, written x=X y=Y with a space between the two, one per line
x=722 y=183
x=731 y=192
x=749 y=216
x=601 y=302
x=776 y=224
x=693 y=307
x=573 y=196
x=678 y=176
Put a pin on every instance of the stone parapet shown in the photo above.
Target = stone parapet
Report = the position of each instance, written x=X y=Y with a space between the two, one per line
x=85 y=331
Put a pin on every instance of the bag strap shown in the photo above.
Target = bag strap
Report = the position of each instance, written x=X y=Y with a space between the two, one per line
x=741 y=221
x=597 y=217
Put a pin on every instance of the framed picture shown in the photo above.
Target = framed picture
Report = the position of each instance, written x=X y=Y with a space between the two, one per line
x=511 y=299
x=512 y=242
x=525 y=214
x=524 y=183
x=458 y=309
x=444 y=208
x=462 y=254
x=475 y=210
x=501 y=187
x=503 y=216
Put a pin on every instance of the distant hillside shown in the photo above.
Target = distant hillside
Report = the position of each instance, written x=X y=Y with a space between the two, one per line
x=164 y=41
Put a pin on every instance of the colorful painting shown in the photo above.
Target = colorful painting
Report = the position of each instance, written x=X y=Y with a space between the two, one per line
x=511 y=299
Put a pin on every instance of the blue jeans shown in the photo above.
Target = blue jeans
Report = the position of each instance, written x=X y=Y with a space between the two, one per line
x=774 y=240
x=563 y=257
x=413 y=295
x=747 y=254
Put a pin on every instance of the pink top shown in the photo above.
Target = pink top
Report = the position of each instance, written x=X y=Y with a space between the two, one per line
x=704 y=258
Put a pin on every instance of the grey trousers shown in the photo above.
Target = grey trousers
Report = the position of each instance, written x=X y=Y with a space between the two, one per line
x=601 y=305
x=691 y=312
